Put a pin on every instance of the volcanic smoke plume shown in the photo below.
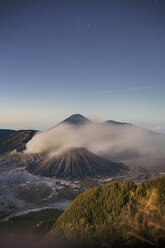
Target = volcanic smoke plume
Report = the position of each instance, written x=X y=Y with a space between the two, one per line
x=102 y=139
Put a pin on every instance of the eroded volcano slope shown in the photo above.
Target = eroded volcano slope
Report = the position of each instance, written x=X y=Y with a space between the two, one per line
x=76 y=163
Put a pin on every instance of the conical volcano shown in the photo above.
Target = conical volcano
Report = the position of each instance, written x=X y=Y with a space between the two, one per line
x=76 y=119
x=76 y=163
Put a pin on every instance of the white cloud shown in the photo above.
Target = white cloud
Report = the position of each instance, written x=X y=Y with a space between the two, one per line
x=101 y=139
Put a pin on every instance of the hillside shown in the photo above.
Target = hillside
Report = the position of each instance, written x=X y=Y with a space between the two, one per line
x=118 y=214
x=5 y=132
x=16 y=159
x=76 y=163
x=15 y=140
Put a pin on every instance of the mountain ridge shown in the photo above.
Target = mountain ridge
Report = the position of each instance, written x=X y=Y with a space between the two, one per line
x=112 y=122
x=117 y=213
x=16 y=140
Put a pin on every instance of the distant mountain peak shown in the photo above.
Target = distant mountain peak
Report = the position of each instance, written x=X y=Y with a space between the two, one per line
x=111 y=122
x=76 y=119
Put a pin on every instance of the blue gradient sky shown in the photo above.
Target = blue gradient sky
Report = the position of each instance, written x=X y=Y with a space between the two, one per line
x=104 y=59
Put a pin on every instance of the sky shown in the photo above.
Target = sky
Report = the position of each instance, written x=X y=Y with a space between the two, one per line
x=104 y=59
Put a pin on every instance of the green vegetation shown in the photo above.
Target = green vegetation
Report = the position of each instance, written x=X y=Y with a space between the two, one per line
x=119 y=213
